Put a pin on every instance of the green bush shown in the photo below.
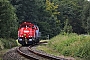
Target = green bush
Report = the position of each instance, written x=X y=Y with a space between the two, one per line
x=1 y=45
x=71 y=45
x=8 y=43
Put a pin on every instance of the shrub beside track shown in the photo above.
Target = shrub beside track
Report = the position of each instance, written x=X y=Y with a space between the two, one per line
x=71 y=45
x=7 y=43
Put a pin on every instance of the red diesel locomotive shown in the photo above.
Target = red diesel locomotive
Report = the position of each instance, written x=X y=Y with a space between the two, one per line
x=28 y=33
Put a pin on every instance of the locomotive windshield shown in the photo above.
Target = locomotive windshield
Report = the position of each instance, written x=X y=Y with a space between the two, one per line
x=23 y=26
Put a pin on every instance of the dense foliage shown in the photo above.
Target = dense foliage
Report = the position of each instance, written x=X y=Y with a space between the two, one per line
x=71 y=45
x=8 y=23
x=7 y=43
x=42 y=13
x=55 y=16
x=52 y=16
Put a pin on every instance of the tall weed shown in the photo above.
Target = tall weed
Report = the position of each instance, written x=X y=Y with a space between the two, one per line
x=8 y=43
x=1 y=45
x=71 y=45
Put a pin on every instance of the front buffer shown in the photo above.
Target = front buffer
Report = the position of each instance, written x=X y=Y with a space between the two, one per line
x=26 y=41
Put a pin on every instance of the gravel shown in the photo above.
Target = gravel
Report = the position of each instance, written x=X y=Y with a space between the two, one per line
x=12 y=54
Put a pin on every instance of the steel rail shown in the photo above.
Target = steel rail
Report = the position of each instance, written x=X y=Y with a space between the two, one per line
x=25 y=55
x=44 y=55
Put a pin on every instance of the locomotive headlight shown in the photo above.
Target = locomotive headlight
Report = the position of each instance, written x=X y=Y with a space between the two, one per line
x=30 y=39
x=20 y=39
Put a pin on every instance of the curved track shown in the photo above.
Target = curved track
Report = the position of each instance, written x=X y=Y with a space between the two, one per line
x=29 y=53
x=21 y=51
x=44 y=55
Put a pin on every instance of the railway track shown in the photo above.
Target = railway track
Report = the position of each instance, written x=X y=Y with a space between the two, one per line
x=22 y=52
x=31 y=54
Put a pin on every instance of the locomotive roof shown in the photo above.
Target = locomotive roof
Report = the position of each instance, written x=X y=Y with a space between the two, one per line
x=26 y=23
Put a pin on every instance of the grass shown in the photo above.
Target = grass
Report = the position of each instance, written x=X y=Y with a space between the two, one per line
x=7 y=43
x=73 y=45
x=45 y=48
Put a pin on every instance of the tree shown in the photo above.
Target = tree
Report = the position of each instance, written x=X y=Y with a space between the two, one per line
x=51 y=14
x=8 y=20
x=71 y=10
x=27 y=10
x=38 y=12
x=67 y=27
x=86 y=16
